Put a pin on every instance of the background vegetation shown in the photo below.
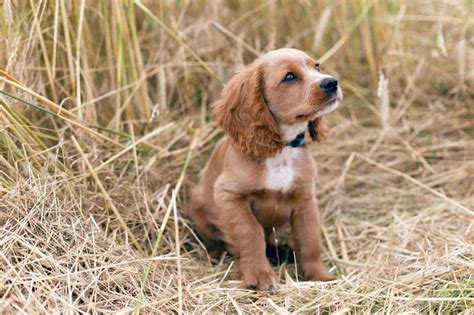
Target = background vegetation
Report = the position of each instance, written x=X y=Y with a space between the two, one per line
x=104 y=127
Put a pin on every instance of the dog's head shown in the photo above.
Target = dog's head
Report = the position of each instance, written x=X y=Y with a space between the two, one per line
x=274 y=99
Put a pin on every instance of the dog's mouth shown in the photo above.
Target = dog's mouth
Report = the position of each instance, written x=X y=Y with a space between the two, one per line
x=327 y=107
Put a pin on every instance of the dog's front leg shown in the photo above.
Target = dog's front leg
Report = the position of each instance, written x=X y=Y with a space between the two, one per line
x=245 y=238
x=305 y=226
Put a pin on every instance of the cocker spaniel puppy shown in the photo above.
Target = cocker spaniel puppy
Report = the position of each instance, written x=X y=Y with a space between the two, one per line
x=260 y=179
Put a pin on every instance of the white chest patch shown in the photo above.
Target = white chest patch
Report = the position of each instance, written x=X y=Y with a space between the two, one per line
x=280 y=170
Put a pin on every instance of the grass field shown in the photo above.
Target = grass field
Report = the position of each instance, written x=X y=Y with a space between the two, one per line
x=105 y=124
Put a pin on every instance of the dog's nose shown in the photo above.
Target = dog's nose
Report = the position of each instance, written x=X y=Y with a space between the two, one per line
x=329 y=85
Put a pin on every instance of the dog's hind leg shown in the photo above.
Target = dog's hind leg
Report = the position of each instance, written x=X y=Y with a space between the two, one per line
x=200 y=212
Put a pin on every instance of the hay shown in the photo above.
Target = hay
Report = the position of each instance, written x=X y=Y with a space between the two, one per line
x=104 y=127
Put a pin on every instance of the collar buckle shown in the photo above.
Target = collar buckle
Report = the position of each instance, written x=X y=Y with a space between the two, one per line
x=297 y=142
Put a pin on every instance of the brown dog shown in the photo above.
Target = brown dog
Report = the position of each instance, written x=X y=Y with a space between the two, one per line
x=261 y=178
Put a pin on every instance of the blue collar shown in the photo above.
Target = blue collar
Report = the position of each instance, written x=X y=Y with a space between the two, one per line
x=297 y=142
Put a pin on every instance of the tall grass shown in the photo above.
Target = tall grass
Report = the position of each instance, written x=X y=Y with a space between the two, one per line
x=105 y=125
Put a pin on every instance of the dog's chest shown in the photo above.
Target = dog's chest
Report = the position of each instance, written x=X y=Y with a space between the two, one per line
x=280 y=171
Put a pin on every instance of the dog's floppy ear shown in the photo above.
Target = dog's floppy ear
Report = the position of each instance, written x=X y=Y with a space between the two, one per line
x=243 y=113
x=318 y=129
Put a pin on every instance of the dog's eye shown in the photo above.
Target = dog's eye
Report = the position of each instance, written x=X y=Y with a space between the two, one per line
x=317 y=66
x=290 y=76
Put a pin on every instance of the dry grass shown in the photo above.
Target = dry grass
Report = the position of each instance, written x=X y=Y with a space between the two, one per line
x=104 y=120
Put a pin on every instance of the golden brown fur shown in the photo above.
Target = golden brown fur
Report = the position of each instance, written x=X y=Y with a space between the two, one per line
x=244 y=115
x=254 y=188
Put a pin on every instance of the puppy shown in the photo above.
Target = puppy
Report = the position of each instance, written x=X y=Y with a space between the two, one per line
x=260 y=179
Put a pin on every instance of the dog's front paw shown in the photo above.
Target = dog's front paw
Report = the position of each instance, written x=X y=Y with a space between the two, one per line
x=315 y=271
x=258 y=276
